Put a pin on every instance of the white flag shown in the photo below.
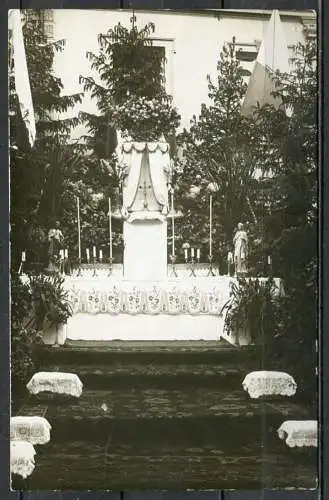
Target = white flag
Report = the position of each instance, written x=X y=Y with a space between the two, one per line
x=273 y=55
x=22 y=82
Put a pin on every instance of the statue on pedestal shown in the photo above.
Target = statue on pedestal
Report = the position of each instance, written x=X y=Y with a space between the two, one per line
x=240 y=242
x=55 y=239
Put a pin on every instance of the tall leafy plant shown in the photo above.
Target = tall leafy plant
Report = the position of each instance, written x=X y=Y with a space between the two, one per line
x=34 y=174
x=130 y=88
x=253 y=309
x=217 y=150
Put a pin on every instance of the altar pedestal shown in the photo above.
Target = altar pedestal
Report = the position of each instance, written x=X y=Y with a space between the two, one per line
x=146 y=169
x=145 y=250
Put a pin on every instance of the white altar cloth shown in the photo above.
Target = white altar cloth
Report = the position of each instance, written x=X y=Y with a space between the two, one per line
x=35 y=430
x=192 y=296
x=299 y=433
x=55 y=382
x=106 y=308
x=269 y=383
x=21 y=458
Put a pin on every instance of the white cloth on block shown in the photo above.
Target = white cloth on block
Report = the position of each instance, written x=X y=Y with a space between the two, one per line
x=269 y=383
x=298 y=433
x=35 y=430
x=56 y=382
x=21 y=458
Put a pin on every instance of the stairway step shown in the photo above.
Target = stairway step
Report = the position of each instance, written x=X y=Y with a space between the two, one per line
x=85 y=466
x=148 y=353
x=126 y=376
x=94 y=412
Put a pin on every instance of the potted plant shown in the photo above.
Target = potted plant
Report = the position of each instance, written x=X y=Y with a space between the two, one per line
x=252 y=311
x=51 y=307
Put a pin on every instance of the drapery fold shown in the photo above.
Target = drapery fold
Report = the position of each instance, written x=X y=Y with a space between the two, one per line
x=153 y=155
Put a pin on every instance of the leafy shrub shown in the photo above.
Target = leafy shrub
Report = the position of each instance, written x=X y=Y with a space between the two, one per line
x=50 y=300
x=25 y=338
x=253 y=305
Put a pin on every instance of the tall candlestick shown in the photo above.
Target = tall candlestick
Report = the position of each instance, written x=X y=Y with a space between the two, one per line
x=79 y=229
x=210 y=229
x=173 y=222
x=110 y=227
x=94 y=252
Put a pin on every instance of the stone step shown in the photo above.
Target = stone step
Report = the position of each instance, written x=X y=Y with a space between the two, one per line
x=93 y=413
x=171 y=376
x=151 y=353
x=110 y=465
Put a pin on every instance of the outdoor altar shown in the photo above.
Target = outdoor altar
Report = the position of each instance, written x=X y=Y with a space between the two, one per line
x=148 y=298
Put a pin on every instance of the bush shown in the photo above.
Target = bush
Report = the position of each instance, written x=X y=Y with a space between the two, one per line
x=253 y=305
x=25 y=338
x=50 y=301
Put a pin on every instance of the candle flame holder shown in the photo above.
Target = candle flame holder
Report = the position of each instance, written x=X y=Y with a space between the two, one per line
x=79 y=273
x=210 y=268
x=110 y=267
x=192 y=267
x=94 y=271
x=173 y=267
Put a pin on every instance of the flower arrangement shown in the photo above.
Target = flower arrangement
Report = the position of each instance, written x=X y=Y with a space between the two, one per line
x=145 y=119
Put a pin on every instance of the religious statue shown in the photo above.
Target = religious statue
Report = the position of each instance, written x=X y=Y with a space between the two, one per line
x=240 y=242
x=55 y=239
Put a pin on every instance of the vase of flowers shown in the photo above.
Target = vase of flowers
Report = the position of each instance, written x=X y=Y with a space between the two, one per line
x=143 y=119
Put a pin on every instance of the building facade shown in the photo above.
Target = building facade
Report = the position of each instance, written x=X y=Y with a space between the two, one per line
x=191 y=41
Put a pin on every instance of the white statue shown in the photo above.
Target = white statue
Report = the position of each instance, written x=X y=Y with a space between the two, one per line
x=240 y=242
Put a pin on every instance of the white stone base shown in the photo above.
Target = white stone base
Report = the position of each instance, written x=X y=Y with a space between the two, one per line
x=145 y=250
x=144 y=327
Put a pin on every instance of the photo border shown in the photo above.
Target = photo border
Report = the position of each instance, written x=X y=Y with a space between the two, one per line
x=323 y=23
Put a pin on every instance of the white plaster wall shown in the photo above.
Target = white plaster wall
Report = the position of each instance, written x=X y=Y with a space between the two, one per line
x=193 y=43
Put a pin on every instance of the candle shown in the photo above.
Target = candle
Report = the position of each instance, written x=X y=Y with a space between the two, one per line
x=198 y=253
x=79 y=229
x=100 y=254
x=23 y=256
x=230 y=257
x=88 y=254
x=110 y=227
x=94 y=252
x=61 y=254
x=173 y=222
x=269 y=260
x=192 y=253
x=66 y=253
x=210 y=228
x=185 y=253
